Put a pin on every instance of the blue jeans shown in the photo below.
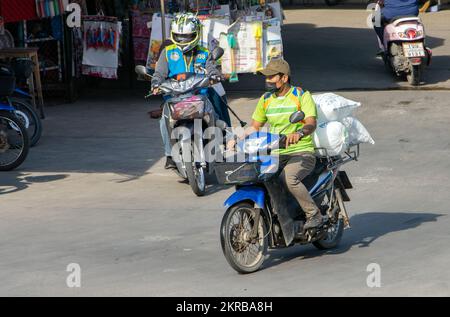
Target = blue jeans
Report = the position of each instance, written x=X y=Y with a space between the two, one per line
x=165 y=136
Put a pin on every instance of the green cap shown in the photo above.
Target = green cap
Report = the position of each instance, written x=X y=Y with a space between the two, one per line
x=276 y=66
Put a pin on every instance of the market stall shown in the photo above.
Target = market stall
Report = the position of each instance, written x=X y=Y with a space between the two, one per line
x=116 y=35
x=248 y=31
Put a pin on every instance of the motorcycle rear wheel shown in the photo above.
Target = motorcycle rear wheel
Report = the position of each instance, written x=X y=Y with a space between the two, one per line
x=236 y=226
x=415 y=74
x=335 y=231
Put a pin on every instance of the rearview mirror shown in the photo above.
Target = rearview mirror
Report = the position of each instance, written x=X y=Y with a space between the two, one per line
x=217 y=53
x=141 y=70
x=296 y=117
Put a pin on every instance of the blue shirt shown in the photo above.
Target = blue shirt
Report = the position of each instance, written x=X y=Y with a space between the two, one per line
x=395 y=8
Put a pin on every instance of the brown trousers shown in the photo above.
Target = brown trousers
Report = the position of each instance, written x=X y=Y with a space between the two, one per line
x=297 y=167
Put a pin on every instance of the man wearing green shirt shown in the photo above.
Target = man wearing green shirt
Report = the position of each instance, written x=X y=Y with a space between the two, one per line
x=275 y=107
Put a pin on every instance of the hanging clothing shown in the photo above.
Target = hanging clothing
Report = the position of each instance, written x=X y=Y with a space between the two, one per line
x=101 y=46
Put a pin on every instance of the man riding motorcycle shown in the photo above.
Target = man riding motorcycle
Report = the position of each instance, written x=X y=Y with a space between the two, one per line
x=275 y=107
x=185 y=55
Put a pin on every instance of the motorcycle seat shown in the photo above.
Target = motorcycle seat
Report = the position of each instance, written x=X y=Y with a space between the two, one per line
x=401 y=18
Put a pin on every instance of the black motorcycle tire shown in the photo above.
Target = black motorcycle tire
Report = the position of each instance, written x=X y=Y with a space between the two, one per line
x=198 y=189
x=24 y=108
x=415 y=74
x=25 y=139
x=225 y=240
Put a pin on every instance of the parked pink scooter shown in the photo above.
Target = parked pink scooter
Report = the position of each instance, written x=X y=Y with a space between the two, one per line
x=404 y=48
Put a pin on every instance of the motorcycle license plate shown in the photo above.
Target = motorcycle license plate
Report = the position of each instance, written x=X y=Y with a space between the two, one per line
x=413 y=49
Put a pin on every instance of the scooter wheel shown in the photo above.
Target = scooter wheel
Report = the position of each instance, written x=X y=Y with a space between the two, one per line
x=243 y=255
x=415 y=74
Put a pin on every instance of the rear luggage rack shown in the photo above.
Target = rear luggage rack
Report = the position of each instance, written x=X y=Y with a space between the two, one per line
x=351 y=154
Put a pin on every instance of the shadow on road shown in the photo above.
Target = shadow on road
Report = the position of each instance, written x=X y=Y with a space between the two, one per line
x=12 y=182
x=366 y=228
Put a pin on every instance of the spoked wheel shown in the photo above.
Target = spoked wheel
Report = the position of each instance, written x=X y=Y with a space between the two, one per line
x=336 y=226
x=244 y=253
x=30 y=119
x=195 y=173
x=14 y=143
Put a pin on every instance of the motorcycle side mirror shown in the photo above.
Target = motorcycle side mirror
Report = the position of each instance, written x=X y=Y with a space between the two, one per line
x=217 y=53
x=297 y=117
x=142 y=71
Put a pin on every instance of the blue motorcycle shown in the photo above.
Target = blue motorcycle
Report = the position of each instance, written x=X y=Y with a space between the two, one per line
x=20 y=101
x=262 y=214
x=14 y=140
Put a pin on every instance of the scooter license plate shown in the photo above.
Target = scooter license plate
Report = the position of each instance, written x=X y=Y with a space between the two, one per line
x=413 y=49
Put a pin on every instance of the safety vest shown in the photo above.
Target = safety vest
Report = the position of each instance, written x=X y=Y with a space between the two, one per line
x=294 y=97
x=179 y=63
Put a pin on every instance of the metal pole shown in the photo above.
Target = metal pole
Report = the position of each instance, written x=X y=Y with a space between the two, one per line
x=163 y=21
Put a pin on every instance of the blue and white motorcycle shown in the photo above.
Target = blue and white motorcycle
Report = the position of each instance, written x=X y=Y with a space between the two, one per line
x=262 y=214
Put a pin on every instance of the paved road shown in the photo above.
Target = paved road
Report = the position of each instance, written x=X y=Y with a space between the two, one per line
x=100 y=198
x=94 y=192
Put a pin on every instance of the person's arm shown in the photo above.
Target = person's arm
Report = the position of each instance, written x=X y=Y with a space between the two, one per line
x=161 y=70
x=308 y=128
x=254 y=127
x=258 y=120
x=212 y=68
x=310 y=110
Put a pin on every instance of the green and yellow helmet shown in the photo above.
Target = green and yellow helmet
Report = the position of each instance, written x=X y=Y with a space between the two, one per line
x=185 y=31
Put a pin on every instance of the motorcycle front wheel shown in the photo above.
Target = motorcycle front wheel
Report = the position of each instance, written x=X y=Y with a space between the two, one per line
x=195 y=172
x=14 y=142
x=244 y=253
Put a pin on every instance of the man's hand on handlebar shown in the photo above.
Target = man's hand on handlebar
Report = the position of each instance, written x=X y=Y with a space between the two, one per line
x=156 y=90
x=231 y=144
x=214 y=79
x=292 y=138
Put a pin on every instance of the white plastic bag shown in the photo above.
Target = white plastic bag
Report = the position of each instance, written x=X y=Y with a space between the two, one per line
x=357 y=133
x=333 y=137
x=332 y=107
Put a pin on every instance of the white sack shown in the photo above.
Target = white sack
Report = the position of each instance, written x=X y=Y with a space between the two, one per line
x=357 y=133
x=333 y=137
x=332 y=107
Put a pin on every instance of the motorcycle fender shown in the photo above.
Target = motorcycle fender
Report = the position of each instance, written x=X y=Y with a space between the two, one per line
x=252 y=193
x=6 y=107
x=22 y=93
x=429 y=54
x=188 y=125
x=342 y=183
